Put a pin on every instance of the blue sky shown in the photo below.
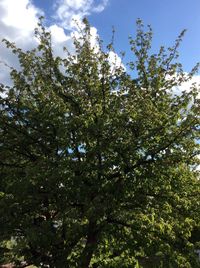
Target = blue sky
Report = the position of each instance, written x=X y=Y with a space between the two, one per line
x=167 y=17
x=18 y=18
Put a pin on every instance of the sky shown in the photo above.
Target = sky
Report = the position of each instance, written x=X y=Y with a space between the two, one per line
x=168 y=18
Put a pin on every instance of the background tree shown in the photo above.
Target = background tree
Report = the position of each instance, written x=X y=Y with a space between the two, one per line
x=98 y=165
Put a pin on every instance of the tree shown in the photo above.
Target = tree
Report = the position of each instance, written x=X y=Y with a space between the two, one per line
x=98 y=164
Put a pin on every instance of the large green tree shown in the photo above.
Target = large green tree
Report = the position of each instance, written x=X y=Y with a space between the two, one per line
x=98 y=164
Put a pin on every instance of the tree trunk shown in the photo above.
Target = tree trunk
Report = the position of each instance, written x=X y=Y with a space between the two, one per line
x=90 y=246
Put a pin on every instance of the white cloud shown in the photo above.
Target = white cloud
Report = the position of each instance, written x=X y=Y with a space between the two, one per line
x=18 y=19
x=93 y=38
x=193 y=82
x=17 y=22
x=59 y=40
x=58 y=34
x=115 y=61
x=70 y=11
x=101 y=6
x=186 y=86
x=69 y=15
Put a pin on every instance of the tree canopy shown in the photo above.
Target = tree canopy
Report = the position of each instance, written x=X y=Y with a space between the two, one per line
x=99 y=162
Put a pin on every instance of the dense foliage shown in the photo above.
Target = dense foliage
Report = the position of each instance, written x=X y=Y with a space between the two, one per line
x=99 y=164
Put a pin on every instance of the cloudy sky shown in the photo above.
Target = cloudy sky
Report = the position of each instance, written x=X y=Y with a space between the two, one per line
x=18 y=18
